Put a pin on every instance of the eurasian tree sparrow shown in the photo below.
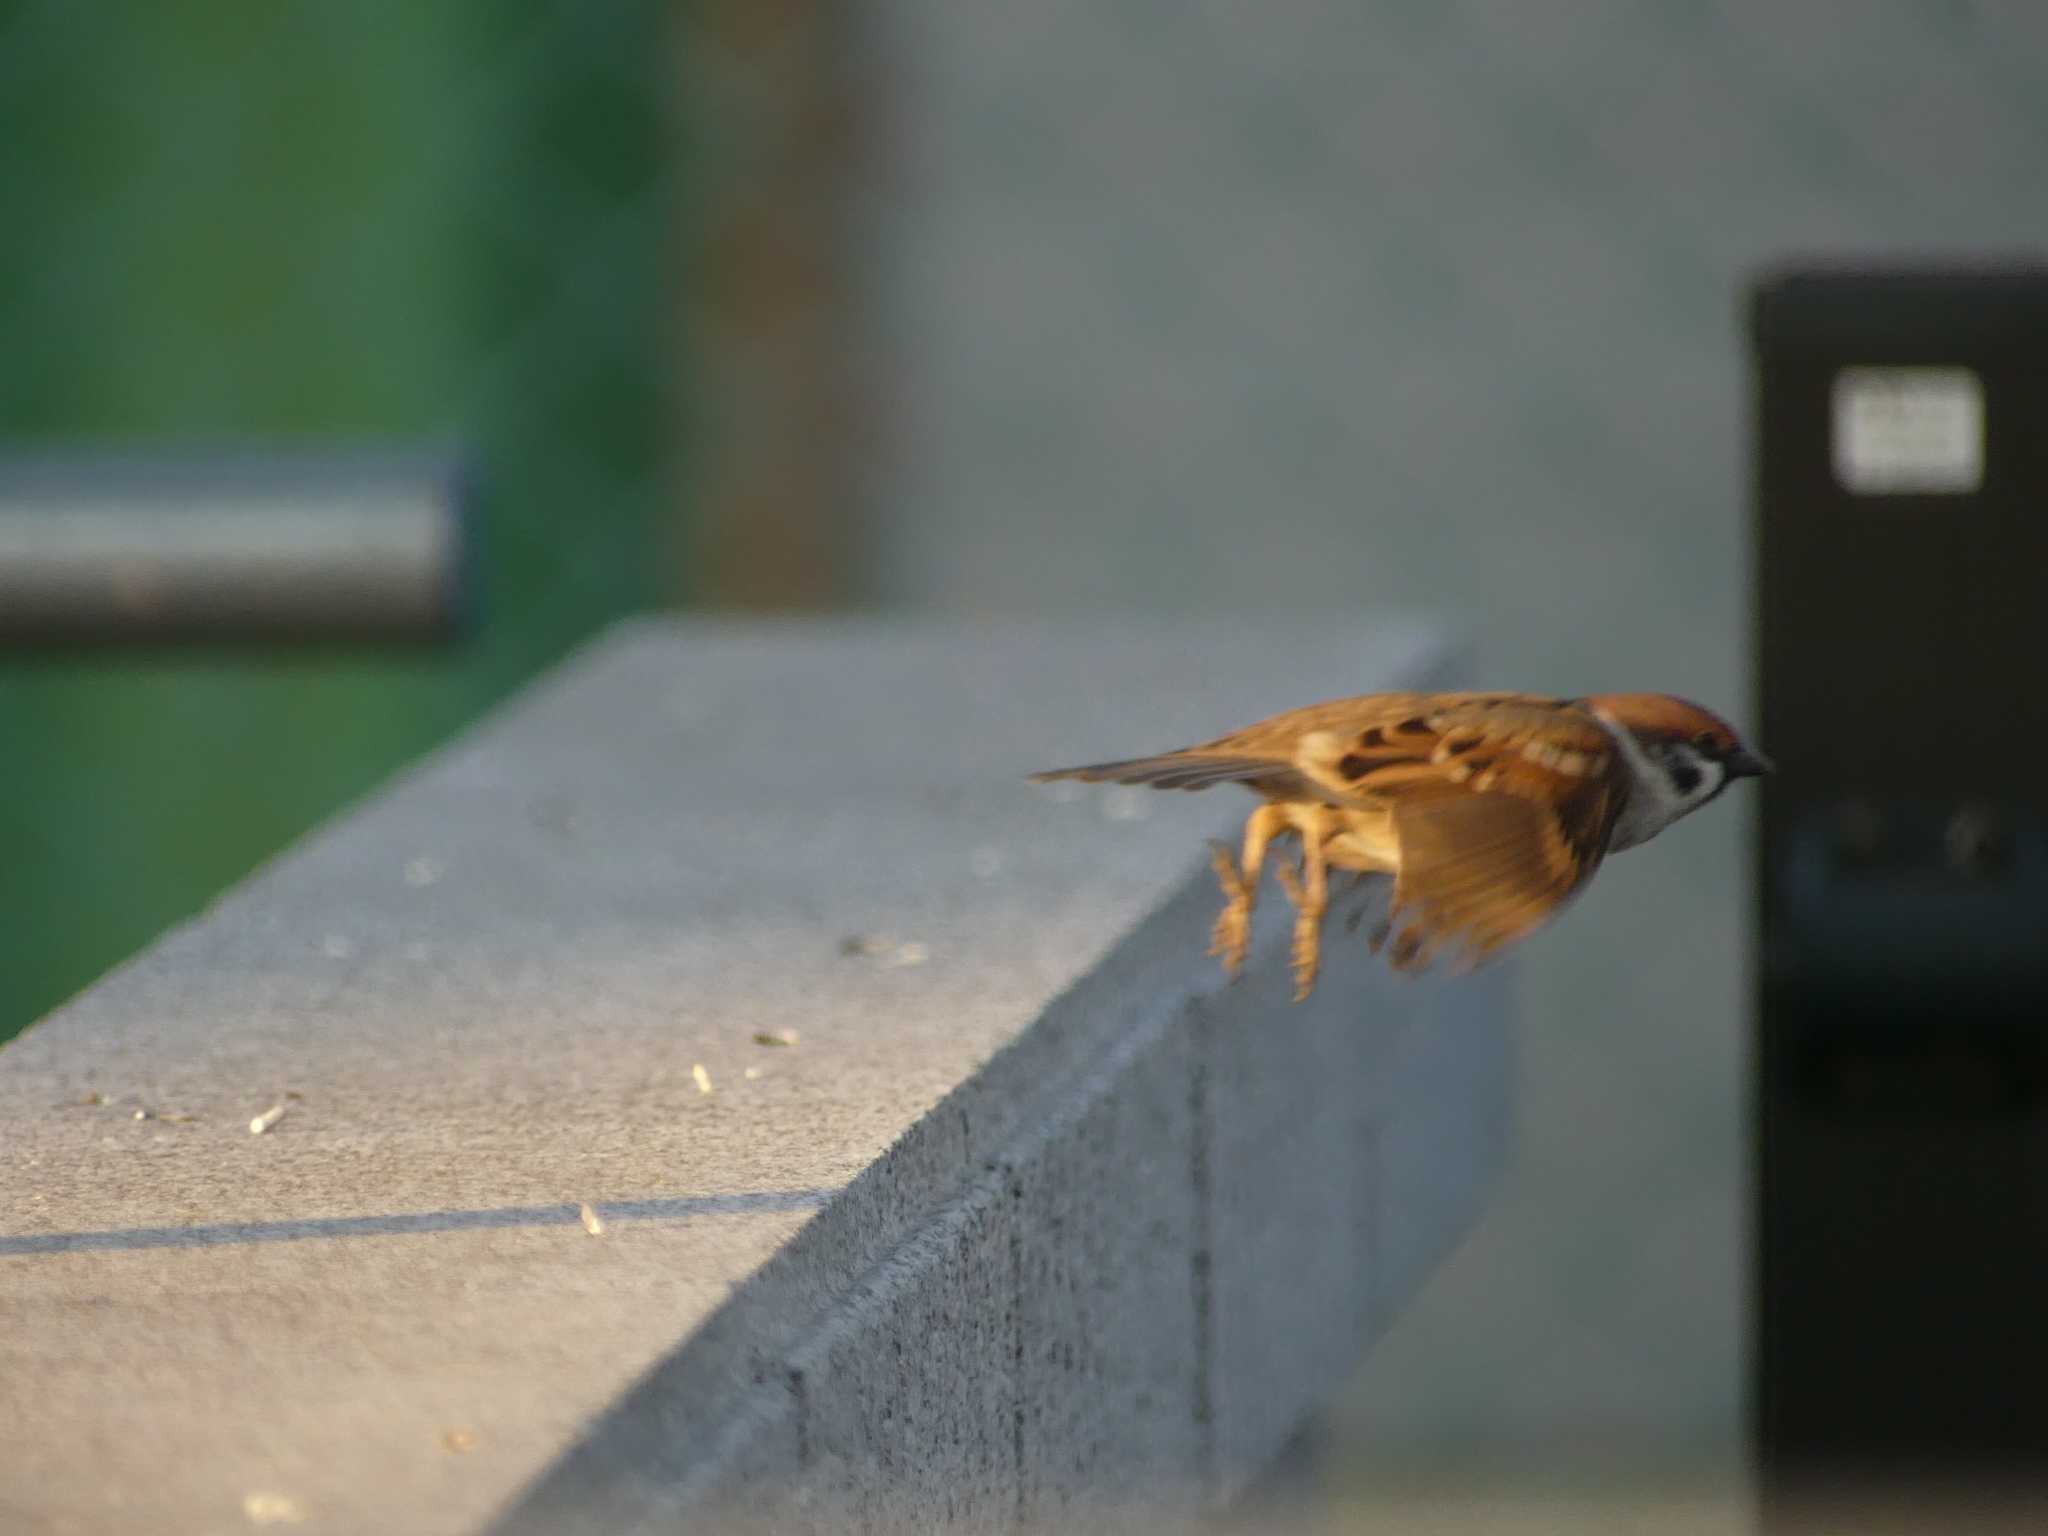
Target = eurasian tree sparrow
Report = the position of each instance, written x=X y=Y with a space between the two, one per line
x=1490 y=810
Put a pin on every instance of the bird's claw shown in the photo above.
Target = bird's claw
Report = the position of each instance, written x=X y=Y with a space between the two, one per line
x=1307 y=957
x=1230 y=938
x=1232 y=934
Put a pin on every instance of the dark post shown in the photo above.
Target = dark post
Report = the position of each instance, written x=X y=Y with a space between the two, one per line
x=1902 y=631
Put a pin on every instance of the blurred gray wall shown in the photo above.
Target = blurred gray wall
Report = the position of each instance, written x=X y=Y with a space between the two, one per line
x=1237 y=307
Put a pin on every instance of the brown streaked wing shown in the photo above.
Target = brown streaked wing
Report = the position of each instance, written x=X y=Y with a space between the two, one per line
x=1348 y=752
x=1517 y=743
x=1482 y=870
x=1277 y=735
x=1466 y=737
x=1267 y=757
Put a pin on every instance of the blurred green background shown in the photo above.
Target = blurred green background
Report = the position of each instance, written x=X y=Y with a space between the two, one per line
x=315 y=226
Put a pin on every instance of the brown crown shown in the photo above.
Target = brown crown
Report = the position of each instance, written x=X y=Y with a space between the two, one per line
x=1660 y=714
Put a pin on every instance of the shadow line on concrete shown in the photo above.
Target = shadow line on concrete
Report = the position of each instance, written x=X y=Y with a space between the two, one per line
x=409 y=1223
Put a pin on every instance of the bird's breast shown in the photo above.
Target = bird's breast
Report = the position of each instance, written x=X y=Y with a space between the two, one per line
x=1365 y=841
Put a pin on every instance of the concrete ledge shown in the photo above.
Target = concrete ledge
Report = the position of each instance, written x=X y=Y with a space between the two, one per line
x=1035 y=1219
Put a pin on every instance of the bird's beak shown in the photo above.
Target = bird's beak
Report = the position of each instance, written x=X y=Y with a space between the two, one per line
x=1745 y=764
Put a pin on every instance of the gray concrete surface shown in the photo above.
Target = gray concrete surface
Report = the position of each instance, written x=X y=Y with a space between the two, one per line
x=1033 y=1218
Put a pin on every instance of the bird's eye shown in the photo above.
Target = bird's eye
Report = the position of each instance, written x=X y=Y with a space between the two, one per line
x=1704 y=741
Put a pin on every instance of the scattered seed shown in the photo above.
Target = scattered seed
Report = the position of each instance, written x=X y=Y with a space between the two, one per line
x=702 y=1078
x=177 y=1119
x=88 y=1100
x=140 y=1114
x=457 y=1441
x=885 y=950
x=592 y=1222
x=267 y=1119
x=272 y=1509
x=776 y=1037
x=751 y=1073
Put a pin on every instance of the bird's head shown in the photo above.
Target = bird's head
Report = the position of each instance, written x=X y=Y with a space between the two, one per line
x=1692 y=751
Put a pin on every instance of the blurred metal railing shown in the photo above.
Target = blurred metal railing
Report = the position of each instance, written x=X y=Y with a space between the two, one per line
x=257 y=545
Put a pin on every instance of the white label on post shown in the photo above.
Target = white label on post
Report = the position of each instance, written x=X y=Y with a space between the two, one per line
x=1908 y=431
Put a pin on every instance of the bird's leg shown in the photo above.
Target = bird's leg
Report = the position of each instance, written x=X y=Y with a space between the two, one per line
x=1240 y=882
x=1310 y=893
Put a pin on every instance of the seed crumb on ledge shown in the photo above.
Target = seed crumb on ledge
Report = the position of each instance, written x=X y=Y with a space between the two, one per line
x=885 y=951
x=267 y=1119
x=273 y=1509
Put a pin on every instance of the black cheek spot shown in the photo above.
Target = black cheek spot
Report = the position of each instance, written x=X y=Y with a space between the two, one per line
x=1684 y=778
x=1352 y=766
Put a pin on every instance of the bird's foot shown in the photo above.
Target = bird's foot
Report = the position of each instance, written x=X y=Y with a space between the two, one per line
x=1232 y=934
x=1308 y=924
x=1307 y=955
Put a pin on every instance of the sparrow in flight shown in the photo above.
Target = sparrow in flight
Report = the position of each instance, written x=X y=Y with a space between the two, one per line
x=1490 y=810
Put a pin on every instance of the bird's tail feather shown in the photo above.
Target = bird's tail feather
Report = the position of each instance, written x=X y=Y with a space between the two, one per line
x=1169 y=770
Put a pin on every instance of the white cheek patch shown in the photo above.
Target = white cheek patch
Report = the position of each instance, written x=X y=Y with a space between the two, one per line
x=1713 y=779
x=1652 y=805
